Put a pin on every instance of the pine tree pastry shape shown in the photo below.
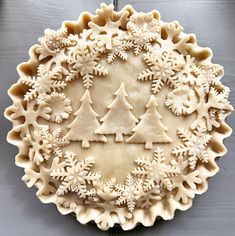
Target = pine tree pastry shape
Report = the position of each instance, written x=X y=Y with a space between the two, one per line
x=119 y=120
x=150 y=128
x=85 y=123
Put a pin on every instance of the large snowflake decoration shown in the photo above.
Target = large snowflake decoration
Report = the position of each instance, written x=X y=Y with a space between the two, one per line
x=143 y=30
x=127 y=193
x=45 y=82
x=162 y=69
x=103 y=34
x=19 y=111
x=41 y=175
x=155 y=172
x=84 y=61
x=76 y=176
x=194 y=145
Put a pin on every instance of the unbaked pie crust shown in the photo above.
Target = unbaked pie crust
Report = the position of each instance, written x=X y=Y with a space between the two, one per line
x=119 y=117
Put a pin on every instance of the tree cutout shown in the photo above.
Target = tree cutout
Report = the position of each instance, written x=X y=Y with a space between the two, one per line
x=150 y=128
x=84 y=125
x=119 y=120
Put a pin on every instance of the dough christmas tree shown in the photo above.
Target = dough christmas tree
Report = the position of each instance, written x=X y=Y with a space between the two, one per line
x=119 y=120
x=150 y=128
x=85 y=123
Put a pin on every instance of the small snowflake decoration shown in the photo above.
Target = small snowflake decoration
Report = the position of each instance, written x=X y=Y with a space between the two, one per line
x=55 y=141
x=45 y=82
x=155 y=171
x=54 y=39
x=194 y=145
x=76 y=176
x=162 y=69
x=119 y=47
x=84 y=62
x=60 y=107
x=143 y=30
x=39 y=148
x=210 y=75
x=127 y=193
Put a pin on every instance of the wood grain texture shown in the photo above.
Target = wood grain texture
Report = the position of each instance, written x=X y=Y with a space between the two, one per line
x=21 y=23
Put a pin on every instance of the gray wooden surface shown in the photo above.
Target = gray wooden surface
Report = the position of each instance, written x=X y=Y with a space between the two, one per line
x=21 y=23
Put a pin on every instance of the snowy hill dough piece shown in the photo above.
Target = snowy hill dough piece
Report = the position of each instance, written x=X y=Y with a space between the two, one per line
x=119 y=117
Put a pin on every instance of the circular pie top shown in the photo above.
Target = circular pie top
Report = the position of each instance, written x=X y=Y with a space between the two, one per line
x=119 y=117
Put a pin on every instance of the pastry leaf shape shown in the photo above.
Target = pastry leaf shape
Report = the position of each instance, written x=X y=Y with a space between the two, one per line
x=85 y=124
x=119 y=120
x=150 y=129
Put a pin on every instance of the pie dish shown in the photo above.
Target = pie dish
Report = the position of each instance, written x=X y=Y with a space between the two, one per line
x=119 y=118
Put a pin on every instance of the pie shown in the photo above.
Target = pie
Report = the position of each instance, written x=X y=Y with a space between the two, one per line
x=119 y=118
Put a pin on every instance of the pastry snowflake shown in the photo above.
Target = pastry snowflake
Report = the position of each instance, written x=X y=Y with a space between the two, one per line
x=83 y=61
x=45 y=82
x=76 y=176
x=60 y=106
x=155 y=171
x=162 y=69
x=194 y=145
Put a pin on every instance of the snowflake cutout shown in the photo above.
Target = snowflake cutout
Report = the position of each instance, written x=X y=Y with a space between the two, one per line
x=42 y=174
x=210 y=75
x=119 y=47
x=162 y=69
x=19 y=111
x=54 y=140
x=45 y=82
x=146 y=199
x=155 y=172
x=194 y=145
x=127 y=193
x=103 y=34
x=39 y=148
x=84 y=61
x=143 y=30
x=54 y=40
x=107 y=194
x=185 y=183
x=60 y=107
x=76 y=176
